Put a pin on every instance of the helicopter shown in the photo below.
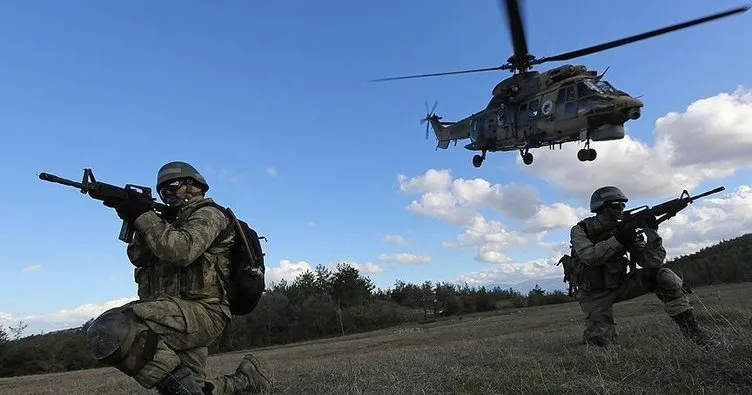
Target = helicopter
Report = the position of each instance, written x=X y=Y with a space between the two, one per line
x=532 y=109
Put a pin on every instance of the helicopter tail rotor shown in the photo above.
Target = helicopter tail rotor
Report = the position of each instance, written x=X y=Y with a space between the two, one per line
x=429 y=115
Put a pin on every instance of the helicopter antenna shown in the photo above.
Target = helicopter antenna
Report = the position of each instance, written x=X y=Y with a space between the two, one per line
x=598 y=78
x=522 y=61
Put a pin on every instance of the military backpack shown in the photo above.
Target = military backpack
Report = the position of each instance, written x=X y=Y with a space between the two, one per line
x=246 y=282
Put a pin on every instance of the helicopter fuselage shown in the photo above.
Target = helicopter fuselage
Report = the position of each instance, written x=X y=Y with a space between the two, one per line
x=532 y=109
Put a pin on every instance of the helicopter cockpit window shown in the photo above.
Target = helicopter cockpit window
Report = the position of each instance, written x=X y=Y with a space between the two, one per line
x=532 y=111
x=566 y=93
x=570 y=93
x=587 y=88
x=605 y=86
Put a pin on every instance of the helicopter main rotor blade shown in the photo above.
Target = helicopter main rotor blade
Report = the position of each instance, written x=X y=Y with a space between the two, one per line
x=638 y=37
x=516 y=28
x=435 y=74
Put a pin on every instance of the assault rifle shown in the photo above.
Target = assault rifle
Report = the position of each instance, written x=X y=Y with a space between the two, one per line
x=108 y=192
x=635 y=218
x=666 y=210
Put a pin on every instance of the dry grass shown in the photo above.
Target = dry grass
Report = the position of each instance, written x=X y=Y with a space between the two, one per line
x=518 y=351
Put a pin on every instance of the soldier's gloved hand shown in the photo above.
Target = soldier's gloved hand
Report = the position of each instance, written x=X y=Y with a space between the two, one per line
x=626 y=235
x=136 y=204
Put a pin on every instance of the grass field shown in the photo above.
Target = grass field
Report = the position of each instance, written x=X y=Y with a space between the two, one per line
x=533 y=350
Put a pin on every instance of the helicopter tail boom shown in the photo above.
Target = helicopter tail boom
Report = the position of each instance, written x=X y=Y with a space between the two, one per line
x=446 y=132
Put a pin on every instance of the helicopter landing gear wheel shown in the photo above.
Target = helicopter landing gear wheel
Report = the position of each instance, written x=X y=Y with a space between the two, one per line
x=527 y=157
x=478 y=159
x=586 y=154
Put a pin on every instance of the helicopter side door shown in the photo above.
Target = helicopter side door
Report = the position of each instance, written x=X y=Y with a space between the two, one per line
x=566 y=102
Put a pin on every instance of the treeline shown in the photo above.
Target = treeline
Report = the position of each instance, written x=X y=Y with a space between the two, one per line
x=729 y=261
x=325 y=303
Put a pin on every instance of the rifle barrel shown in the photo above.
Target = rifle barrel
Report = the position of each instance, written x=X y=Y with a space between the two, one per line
x=59 y=180
x=710 y=192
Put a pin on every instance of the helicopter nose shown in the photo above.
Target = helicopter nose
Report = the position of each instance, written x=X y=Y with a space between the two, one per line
x=631 y=107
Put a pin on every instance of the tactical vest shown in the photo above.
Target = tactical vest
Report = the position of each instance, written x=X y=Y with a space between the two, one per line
x=608 y=275
x=197 y=281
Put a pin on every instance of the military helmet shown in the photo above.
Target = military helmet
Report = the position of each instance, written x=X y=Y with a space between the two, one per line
x=177 y=170
x=605 y=195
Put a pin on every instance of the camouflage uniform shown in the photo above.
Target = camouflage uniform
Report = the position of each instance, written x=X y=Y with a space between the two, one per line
x=601 y=248
x=162 y=339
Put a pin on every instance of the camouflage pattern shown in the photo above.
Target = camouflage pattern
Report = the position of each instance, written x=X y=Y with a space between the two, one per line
x=535 y=109
x=605 y=280
x=181 y=297
x=176 y=259
x=185 y=329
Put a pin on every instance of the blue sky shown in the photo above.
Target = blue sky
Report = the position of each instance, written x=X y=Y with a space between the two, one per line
x=239 y=89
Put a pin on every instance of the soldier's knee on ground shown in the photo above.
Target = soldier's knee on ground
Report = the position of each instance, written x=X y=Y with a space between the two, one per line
x=116 y=338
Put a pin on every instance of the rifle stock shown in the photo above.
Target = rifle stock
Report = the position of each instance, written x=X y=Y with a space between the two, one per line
x=103 y=191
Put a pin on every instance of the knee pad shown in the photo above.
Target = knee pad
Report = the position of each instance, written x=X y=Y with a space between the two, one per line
x=115 y=339
x=668 y=280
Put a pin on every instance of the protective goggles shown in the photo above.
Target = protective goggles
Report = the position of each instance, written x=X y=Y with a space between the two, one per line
x=173 y=186
x=616 y=205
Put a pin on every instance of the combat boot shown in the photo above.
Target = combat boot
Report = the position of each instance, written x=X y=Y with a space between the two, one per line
x=247 y=379
x=179 y=382
x=691 y=330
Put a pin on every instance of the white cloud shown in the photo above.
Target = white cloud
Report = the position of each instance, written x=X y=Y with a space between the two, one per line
x=459 y=202
x=32 y=269
x=432 y=181
x=61 y=319
x=367 y=267
x=404 y=257
x=396 y=239
x=287 y=270
x=557 y=215
x=708 y=221
x=510 y=272
x=711 y=139
x=271 y=171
